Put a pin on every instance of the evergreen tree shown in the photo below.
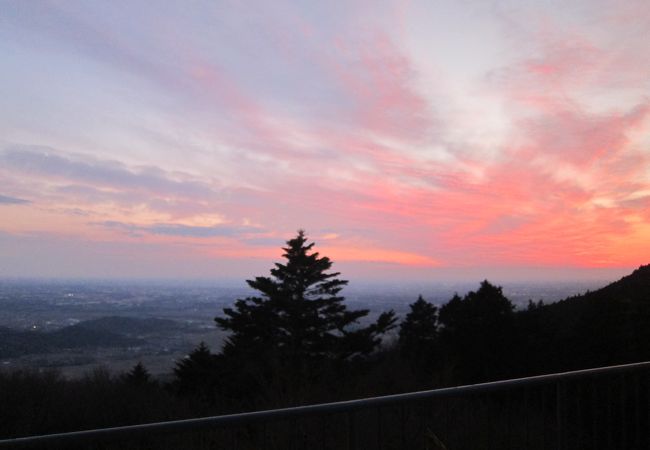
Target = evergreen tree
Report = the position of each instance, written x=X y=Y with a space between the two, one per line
x=477 y=332
x=197 y=372
x=299 y=315
x=138 y=376
x=418 y=335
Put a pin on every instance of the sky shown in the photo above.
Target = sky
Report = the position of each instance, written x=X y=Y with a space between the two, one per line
x=410 y=139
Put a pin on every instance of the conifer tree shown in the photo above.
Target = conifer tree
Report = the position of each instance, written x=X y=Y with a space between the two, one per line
x=138 y=376
x=197 y=372
x=299 y=314
x=476 y=332
x=418 y=334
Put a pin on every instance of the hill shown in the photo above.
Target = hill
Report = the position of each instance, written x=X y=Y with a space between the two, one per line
x=104 y=332
x=631 y=288
x=608 y=326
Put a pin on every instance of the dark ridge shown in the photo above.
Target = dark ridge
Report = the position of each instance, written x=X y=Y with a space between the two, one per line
x=633 y=287
x=83 y=336
x=604 y=327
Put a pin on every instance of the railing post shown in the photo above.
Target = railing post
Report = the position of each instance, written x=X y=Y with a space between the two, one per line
x=595 y=411
x=323 y=432
x=647 y=389
x=264 y=435
x=526 y=414
x=623 y=406
x=560 y=400
x=609 y=423
x=488 y=421
x=402 y=414
x=579 y=427
x=352 y=437
x=508 y=416
x=380 y=437
x=637 y=411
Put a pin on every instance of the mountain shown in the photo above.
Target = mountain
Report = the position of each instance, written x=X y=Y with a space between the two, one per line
x=631 y=288
x=605 y=327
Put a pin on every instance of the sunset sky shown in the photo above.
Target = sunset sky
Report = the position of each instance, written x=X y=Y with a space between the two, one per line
x=430 y=139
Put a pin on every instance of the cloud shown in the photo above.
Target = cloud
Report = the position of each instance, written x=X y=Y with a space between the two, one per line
x=350 y=122
x=48 y=162
x=179 y=230
x=262 y=241
x=109 y=188
x=6 y=200
x=380 y=79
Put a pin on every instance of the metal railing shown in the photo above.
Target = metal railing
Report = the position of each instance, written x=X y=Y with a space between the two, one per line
x=606 y=407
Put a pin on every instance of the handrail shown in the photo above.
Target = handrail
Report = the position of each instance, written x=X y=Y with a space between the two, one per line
x=176 y=426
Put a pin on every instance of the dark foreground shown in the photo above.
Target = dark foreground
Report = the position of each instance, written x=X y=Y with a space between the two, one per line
x=596 y=408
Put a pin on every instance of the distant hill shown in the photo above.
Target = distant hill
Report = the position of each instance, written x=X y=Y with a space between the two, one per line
x=608 y=326
x=81 y=335
x=631 y=288
x=16 y=343
x=104 y=332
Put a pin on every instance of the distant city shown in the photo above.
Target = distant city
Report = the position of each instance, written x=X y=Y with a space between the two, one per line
x=76 y=326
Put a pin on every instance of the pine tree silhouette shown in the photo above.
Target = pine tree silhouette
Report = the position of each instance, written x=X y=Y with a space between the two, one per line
x=197 y=372
x=299 y=315
x=418 y=335
x=138 y=375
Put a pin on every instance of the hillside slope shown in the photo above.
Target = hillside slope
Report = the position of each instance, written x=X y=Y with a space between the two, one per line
x=607 y=326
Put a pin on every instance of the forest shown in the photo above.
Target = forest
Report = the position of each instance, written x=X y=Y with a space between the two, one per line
x=296 y=342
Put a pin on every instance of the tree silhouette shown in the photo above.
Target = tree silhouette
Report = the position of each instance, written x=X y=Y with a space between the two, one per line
x=418 y=335
x=477 y=332
x=197 y=373
x=299 y=315
x=138 y=376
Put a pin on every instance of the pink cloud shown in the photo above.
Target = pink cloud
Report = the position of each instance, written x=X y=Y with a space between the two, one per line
x=567 y=184
x=380 y=79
